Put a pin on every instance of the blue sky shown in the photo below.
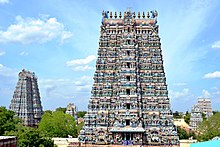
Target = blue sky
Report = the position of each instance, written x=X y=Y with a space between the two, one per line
x=58 y=40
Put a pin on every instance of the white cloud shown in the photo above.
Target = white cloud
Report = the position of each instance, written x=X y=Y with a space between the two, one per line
x=87 y=60
x=215 y=74
x=4 y=1
x=2 y=53
x=205 y=93
x=29 y=30
x=83 y=68
x=216 y=44
x=177 y=94
x=7 y=72
x=24 y=53
x=179 y=84
x=81 y=64
x=65 y=88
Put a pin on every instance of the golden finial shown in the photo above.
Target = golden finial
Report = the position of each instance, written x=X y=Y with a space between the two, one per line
x=143 y=15
x=115 y=14
x=110 y=14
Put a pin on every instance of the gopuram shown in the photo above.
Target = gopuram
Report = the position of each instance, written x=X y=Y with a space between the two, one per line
x=129 y=101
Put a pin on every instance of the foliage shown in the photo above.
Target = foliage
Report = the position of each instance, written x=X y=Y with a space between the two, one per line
x=79 y=127
x=8 y=120
x=57 y=124
x=176 y=115
x=30 y=137
x=49 y=111
x=203 y=116
x=210 y=128
x=214 y=112
x=187 y=117
x=61 y=109
x=183 y=134
x=80 y=114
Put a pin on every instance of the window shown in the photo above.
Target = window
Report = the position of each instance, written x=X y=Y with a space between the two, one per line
x=129 y=42
x=127 y=122
x=128 y=91
x=128 y=53
x=128 y=65
x=128 y=78
x=128 y=106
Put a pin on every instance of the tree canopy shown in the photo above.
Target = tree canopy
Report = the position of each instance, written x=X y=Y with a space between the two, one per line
x=30 y=137
x=57 y=124
x=209 y=128
x=80 y=114
x=187 y=117
x=61 y=109
x=11 y=125
x=8 y=120
x=176 y=114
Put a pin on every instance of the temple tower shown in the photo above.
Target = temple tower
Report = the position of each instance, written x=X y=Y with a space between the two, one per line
x=129 y=101
x=26 y=101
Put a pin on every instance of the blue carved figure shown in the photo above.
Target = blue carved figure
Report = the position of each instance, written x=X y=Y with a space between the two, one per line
x=154 y=15
x=104 y=15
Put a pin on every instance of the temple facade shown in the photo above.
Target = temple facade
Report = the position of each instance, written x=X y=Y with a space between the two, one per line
x=26 y=101
x=129 y=101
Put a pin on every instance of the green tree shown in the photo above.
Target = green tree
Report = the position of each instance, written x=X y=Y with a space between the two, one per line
x=30 y=137
x=61 y=109
x=203 y=116
x=182 y=133
x=176 y=115
x=8 y=120
x=187 y=117
x=79 y=127
x=57 y=124
x=80 y=114
x=49 y=111
x=210 y=128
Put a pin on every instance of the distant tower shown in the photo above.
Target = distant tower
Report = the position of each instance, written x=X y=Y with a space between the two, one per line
x=71 y=109
x=26 y=101
x=129 y=101
x=195 y=117
x=205 y=106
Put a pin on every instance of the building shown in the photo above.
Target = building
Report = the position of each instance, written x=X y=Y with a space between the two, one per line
x=195 y=117
x=71 y=109
x=129 y=101
x=8 y=141
x=26 y=101
x=205 y=106
x=66 y=142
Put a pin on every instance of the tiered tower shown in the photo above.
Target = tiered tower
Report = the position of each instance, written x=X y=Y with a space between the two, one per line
x=26 y=101
x=205 y=106
x=195 y=117
x=129 y=102
x=71 y=109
